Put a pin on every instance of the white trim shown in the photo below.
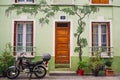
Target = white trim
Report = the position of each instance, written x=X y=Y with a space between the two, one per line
x=110 y=21
x=62 y=3
x=71 y=37
x=110 y=3
x=34 y=27
x=53 y=38
x=23 y=20
x=99 y=35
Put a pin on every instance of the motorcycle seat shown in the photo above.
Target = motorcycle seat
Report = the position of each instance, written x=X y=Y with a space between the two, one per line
x=35 y=63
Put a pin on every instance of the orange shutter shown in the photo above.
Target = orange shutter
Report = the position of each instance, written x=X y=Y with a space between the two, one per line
x=15 y=23
x=100 y=1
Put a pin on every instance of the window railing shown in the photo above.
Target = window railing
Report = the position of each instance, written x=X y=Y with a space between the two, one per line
x=28 y=49
x=103 y=50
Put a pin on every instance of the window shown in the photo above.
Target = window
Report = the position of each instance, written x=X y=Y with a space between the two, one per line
x=63 y=2
x=24 y=1
x=62 y=24
x=23 y=37
x=101 y=37
x=100 y=1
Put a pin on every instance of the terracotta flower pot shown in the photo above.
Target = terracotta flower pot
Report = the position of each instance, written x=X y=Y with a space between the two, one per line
x=109 y=72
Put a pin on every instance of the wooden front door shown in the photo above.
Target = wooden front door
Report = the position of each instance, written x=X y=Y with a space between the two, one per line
x=62 y=42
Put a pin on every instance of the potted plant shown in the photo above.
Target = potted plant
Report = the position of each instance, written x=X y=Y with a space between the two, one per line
x=81 y=66
x=97 y=63
x=6 y=59
x=108 y=70
x=96 y=67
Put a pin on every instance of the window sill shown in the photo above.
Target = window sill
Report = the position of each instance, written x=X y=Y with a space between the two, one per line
x=28 y=56
x=105 y=55
x=100 y=4
x=24 y=3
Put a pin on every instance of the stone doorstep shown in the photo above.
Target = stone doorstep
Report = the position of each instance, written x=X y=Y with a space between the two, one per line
x=62 y=73
x=62 y=65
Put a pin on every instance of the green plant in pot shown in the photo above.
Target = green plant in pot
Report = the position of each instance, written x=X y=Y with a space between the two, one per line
x=81 y=66
x=108 y=69
x=108 y=64
x=97 y=64
x=96 y=67
x=6 y=59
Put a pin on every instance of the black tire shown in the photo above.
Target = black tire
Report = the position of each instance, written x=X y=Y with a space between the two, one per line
x=40 y=71
x=12 y=73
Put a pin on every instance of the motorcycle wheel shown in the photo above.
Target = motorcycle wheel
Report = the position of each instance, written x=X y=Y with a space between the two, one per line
x=40 y=71
x=12 y=73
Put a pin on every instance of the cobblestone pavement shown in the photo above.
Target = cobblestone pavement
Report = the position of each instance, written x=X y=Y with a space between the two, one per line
x=68 y=77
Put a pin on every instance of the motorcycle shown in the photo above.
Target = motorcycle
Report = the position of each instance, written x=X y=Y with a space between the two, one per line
x=23 y=64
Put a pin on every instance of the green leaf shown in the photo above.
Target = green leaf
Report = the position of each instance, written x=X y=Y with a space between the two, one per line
x=83 y=42
x=94 y=9
x=75 y=8
x=82 y=24
x=82 y=64
x=80 y=29
x=46 y=10
x=75 y=34
x=41 y=20
x=55 y=8
x=47 y=21
x=68 y=11
x=76 y=49
x=19 y=12
x=50 y=14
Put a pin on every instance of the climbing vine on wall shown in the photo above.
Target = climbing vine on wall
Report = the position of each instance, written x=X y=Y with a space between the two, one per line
x=50 y=10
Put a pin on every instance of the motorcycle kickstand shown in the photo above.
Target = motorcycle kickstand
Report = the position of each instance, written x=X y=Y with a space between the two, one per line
x=29 y=76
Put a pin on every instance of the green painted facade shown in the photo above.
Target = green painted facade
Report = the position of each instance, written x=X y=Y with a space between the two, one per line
x=44 y=34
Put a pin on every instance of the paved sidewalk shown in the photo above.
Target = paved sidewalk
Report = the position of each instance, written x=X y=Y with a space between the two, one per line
x=68 y=77
x=81 y=78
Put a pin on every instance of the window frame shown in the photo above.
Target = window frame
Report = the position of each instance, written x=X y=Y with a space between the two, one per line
x=32 y=54
x=24 y=2
x=100 y=4
x=103 y=55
